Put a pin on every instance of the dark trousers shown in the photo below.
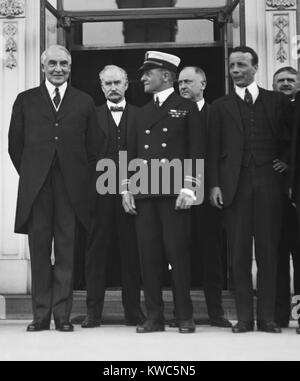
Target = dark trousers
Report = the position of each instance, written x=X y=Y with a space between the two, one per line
x=161 y=229
x=52 y=217
x=289 y=245
x=296 y=274
x=107 y=217
x=207 y=234
x=255 y=213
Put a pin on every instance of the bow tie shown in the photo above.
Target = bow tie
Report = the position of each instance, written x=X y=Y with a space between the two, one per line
x=117 y=109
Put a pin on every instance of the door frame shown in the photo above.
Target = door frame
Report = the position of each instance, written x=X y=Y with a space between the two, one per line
x=221 y=17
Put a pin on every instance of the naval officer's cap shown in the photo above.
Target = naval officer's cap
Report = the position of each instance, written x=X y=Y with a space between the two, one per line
x=160 y=60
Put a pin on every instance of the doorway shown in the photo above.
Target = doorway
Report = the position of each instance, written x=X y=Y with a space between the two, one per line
x=85 y=76
x=88 y=64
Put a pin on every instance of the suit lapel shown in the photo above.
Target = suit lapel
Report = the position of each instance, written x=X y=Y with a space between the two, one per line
x=155 y=116
x=47 y=100
x=268 y=107
x=103 y=120
x=64 y=108
x=232 y=107
x=204 y=116
x=67 y=101
x=130 y=120
x=204 y=112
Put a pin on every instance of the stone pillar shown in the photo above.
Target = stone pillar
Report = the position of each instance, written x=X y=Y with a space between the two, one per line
x=273 y=35
x=256 y=35
x=281 y=19
x=19 y=70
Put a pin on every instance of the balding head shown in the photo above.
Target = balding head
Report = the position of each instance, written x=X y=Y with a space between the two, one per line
x=287 y=81
x=192 y=83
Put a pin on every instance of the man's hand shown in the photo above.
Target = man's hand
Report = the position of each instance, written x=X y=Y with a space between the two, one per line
x=216 y=198
x=129 y=204
x=279 y=166
x=184 y=201
x=291 y=197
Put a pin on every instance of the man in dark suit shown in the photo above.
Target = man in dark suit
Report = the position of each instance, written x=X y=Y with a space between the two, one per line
x=116 y=118
x=167 y=128
x=287 y=81
x=295 y=163
x=52 y=138
x=206 y=220
x=247 y=157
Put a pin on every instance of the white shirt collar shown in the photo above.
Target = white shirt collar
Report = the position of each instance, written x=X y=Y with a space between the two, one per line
x=253 y=90
x=51 y=89
x=201 y=104
x=164 y=95
x=121 y=104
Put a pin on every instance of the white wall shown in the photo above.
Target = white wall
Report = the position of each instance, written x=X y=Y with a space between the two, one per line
x=24 y=31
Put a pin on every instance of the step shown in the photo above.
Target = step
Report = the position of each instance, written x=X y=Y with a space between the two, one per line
x=18 y=307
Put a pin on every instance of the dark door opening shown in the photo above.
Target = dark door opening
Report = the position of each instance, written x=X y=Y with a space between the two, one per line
x=87 y=65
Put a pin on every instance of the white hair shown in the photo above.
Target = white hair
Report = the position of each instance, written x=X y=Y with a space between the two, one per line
x=110 y=67
x=53 y=48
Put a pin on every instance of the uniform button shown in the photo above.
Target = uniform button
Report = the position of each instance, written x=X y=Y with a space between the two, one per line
x=148 y=132
x=165 y=130
x=146 y=147
x=164 y=145
x=56 y=124
x=56 y=138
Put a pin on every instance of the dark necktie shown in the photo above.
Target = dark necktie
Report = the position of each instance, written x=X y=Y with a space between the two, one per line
x=57 y=98
x=156 y=102
x=248 y=97
x=117 y=109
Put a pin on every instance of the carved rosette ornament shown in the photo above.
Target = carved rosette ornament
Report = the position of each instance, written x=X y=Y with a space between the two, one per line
x=281 y=38
x=9 y=32
x=280 y=4
x=12 y=8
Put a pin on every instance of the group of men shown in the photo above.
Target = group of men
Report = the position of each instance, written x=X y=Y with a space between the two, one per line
x=56 y=138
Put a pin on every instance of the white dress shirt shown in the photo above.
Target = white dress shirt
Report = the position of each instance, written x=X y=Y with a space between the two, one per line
x=117 y=116
x=51 y=90
x=253 y=90
x=163 y=95
x=201 y=104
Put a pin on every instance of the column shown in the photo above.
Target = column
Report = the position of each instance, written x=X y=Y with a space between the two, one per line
x=273 y=35
x=281 y=19
x=256 y=36
x=19 y=70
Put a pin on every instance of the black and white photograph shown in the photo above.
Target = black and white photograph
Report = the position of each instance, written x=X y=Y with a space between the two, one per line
x=149 y=183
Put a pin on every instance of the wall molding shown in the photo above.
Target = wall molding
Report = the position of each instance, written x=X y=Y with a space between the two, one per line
x=10 y=31
x=12 y=8
x=272 y=5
